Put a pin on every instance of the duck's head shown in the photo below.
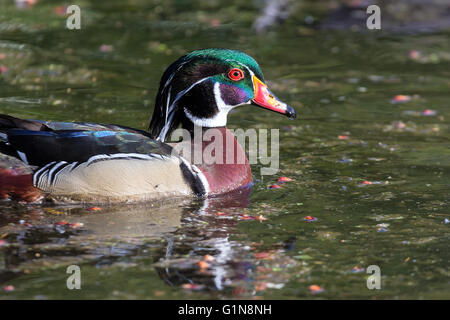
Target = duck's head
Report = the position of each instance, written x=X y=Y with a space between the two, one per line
x=201 y=88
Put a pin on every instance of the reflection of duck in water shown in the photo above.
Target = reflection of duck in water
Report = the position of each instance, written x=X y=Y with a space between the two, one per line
x=171 y=237
x=210 y=260
x=93 y=162
x=133 y=223
x=212 y=242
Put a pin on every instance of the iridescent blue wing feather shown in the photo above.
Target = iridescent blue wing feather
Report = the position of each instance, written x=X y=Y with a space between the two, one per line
x=71 y=142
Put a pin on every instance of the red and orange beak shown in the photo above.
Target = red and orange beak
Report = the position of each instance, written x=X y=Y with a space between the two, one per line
x=266 y=99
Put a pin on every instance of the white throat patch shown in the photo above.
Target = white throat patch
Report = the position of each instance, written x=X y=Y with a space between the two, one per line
x=220 y=119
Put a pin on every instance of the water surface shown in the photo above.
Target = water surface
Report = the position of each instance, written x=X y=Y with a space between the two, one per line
x=375 y=174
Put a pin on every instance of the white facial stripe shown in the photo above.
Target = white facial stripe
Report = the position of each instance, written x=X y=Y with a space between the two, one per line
x=219 y=101
x=168 y=82
x=170 y=110
x=173 y=74
x=251 y=75
x=220 y=119
x=250 y=71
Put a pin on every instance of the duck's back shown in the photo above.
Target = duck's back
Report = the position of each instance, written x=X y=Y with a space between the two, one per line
x=89 y=162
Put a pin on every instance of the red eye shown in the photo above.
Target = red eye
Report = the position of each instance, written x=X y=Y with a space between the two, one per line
x=236 y=74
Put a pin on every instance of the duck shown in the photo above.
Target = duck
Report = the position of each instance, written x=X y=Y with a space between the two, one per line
x=88 y=162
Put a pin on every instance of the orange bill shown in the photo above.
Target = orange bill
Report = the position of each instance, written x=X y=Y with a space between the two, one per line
x=264 y=98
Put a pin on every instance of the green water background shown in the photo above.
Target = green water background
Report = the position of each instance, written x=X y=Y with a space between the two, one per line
x=340 y=83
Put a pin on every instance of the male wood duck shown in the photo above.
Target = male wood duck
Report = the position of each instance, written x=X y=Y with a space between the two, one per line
x=106 y=163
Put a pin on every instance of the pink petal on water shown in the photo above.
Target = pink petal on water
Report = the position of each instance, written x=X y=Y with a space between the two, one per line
x=284 y=179
x=315 y=288
x=106 y=48
x=8 y=288
x=310 y=219
x=400 y=98
x=428 y=112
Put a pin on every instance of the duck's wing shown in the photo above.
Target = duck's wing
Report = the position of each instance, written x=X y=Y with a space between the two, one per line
x=40 y=142
x=86 y=126
x=8 y=122
x=41 y=147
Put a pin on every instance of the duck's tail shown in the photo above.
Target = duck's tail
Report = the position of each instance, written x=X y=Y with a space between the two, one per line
x=16 y=177
x=16 y=180
x=8 y=122
x=18 y=186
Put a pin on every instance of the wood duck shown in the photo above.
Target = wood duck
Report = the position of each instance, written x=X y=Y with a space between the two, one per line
x=106 y=163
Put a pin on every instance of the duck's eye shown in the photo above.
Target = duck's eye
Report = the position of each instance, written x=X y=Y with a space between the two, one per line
x=236 y=74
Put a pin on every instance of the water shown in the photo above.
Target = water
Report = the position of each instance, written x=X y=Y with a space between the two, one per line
x=375 y=174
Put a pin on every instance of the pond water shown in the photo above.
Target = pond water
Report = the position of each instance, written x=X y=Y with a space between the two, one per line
x=373 y=174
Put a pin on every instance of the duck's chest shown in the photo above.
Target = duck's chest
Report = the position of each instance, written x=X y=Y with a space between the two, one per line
x=221 y=160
